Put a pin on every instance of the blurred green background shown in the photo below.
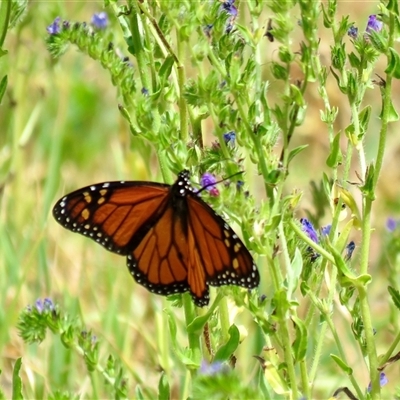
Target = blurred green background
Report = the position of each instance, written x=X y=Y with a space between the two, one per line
x=61 y=130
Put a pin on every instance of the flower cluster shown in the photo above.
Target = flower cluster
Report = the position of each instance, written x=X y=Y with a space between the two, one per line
x=374 y=24
x=309 y=230
x=99 y=21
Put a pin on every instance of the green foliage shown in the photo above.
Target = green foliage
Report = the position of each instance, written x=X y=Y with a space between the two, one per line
x=158 y=88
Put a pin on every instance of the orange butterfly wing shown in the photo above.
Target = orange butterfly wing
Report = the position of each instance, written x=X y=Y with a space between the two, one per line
x=113 y=214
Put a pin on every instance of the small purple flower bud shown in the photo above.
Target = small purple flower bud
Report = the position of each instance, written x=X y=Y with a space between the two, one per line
x=210 y=369
x=325 y=230
x=48 y=304
x=230 y=137
x=353 y=32
x=391 y=224
x=383 y=380
x=239 y=185
x=145 y=92
x=100 y=20
x=230 y=8
x=229 y=27
x=308 y=228
x=374 y=24
x=349 y=250
x=39 y=305
x=214 y=192
x=54 y=27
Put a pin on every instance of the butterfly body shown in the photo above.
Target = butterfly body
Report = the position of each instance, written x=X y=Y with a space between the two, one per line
x=174 y=241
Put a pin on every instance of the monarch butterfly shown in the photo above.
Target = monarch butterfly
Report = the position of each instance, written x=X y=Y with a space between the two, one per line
x=174 y=241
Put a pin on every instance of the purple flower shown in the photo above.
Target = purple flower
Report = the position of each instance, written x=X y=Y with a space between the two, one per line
x=383 y=380
x=145 y=92
x=230 y=8
x=308 y=228
x=325 y=230
x=374 y=24
x=207 y=181
x=230 y=137
x=100 y=20
x=44 y=305
x=211 y=369
x=391 y=224
x=39 y=305
x=48 y=304
x=54 y=27
x=353 y=32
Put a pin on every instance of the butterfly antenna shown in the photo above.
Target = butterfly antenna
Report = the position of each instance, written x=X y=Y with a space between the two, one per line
x=220 y=181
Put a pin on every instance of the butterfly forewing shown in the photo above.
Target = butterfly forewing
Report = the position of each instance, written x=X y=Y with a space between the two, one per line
x=173 y=240
x=111 y=213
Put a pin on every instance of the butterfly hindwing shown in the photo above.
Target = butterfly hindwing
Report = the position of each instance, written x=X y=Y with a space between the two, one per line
x=224 y=257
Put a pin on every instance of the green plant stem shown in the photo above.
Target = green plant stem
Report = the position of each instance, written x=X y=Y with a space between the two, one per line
x=284 y=320
x=365 y=309
x=390 y=351
x=183 y=112
x=257 y=145
x=305 y=379
x=193 y=338
x=386 y=104
x=224 y=319
x=5 y=12
x=287 y=348
x=327 y=315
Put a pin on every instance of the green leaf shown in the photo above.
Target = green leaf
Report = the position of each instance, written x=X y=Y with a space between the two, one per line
x=294 y=272
x=393 y=67
x=166 y=68
x=335 y=156
x=364 y=117
x=274 y=379
x=297 y=96
x=300 y=344
x=279 y=71
x=139 y=393
x=395 y=296
x=163 y=387
x=225 y=352
x=197 y=325
x=392 y=115
x=3 y=87
x=368 y=188
x=393 y=6
x=327 y=18
x=16 y=381
x=342 y=87
x=354 y=60
x=296 y=151
x=343 y=366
